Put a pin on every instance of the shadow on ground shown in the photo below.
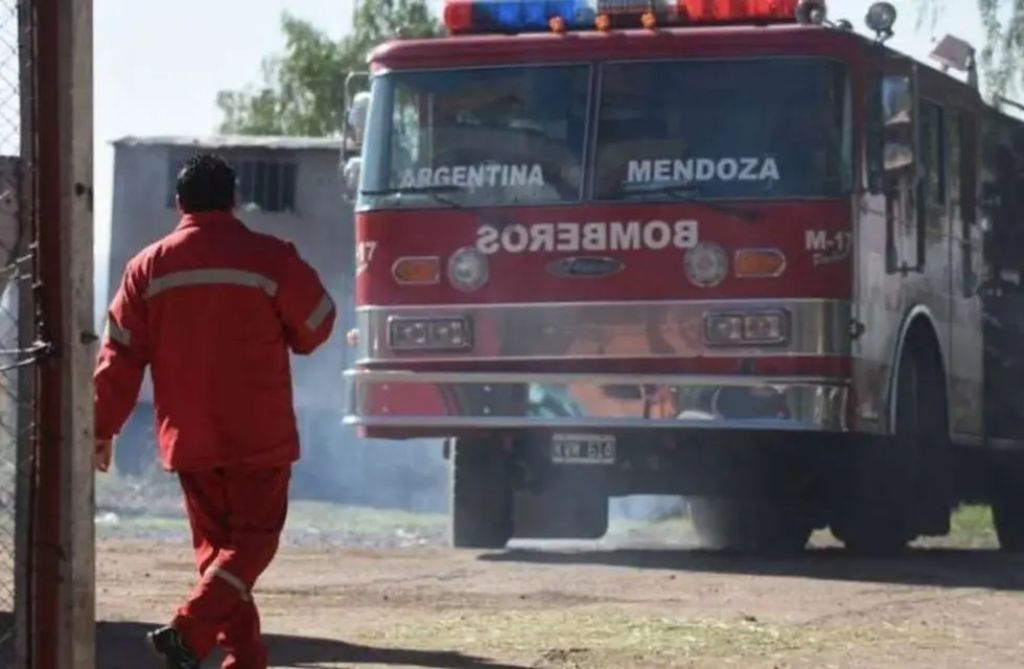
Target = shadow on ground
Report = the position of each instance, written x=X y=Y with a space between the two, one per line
x=121 y=646
x=929 y=567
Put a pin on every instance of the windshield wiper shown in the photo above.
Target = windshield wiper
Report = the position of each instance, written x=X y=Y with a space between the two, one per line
x=686 y=192
x=435 y=193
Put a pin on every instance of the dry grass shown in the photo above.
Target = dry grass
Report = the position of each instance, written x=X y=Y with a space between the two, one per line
x=612 y=637
x=971 y=529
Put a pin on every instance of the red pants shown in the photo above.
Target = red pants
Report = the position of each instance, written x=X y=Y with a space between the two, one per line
x=236 y=515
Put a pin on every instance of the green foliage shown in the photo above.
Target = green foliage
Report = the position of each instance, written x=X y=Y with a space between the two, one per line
x=1004 y=44
x=303 y=90
x=1002 y=55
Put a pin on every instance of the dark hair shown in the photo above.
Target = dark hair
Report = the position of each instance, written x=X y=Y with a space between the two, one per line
x=206 y=183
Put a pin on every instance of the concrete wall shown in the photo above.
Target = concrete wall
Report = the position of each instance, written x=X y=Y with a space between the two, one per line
x=321 y=229
x=336 y=464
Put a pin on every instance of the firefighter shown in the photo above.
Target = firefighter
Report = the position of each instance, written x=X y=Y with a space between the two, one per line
x=214 y=309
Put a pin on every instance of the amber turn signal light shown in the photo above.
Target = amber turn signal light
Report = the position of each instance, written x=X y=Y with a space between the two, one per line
x=417 y=270
x=759 y=263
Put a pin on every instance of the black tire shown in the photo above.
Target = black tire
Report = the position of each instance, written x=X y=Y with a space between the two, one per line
x=481 y=494
x=1008 y=506
x=754 y=526
x=900 y=489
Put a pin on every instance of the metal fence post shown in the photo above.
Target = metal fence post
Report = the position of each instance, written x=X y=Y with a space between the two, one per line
x=79 y=350
x=63 y=565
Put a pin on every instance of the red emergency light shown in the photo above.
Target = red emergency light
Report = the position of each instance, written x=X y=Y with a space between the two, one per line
x=737 y=10
x=517 y=16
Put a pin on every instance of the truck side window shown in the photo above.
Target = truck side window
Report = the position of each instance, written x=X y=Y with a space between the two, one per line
x=898 y=124
x=954 y=160
x=905 y=248
x=933 y=163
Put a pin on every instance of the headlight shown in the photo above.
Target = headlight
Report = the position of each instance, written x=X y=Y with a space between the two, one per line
x=737 y=329
x=724 y=329
x=706 y=264
x=429 y=334
x=468 y=269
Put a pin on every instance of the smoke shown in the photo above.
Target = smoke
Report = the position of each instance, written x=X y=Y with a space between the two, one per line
x=645 y=508
x=337 y=466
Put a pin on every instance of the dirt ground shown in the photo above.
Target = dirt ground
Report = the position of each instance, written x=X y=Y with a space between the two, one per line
x=629 y=601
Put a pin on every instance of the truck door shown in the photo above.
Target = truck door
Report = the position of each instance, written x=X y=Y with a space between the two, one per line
x=888 y=239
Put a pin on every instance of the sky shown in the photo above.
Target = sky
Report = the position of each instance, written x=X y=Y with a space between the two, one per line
x=159 y=64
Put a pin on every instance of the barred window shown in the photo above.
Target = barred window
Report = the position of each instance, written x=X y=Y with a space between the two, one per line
x=268 y=185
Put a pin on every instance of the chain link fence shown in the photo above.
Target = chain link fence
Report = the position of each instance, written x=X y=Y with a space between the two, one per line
x=17 y=355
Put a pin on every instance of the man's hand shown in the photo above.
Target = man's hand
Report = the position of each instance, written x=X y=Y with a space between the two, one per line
x=104 y=454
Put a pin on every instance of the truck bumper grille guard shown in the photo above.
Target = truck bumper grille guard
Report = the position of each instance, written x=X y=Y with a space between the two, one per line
x=467 y=400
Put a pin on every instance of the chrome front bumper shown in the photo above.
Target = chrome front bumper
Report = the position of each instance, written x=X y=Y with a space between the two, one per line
x=471 y=400
x=606 y=330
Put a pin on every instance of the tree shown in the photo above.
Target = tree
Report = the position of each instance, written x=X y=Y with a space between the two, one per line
x=1002 y=56
x=303 y=90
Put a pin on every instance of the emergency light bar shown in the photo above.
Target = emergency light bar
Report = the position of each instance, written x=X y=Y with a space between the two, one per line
x=518 y=16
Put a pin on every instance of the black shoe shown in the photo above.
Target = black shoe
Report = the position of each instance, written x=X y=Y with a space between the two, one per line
x=167 y=644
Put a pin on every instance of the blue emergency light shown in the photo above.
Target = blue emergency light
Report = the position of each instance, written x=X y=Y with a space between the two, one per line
x=516 y=16
x=519 y=16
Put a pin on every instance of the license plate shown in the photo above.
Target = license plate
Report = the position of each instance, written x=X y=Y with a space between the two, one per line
x=583 y=449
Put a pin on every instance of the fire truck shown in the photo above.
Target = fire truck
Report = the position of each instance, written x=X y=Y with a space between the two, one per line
x=724 y=249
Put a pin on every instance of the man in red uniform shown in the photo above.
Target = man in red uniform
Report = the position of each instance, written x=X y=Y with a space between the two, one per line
x=214 y=309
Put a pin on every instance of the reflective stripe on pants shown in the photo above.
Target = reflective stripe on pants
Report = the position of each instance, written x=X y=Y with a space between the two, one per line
x=236 y=515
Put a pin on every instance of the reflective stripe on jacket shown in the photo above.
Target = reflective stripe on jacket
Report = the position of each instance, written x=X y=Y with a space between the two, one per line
x=213 y=309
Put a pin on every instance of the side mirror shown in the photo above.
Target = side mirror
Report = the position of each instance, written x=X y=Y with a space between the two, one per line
x=350 y=177
x=352 y=142
x=355 y=125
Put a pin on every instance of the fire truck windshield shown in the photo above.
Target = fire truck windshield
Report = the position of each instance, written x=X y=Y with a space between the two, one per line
x=497 y=135
x=770 y=128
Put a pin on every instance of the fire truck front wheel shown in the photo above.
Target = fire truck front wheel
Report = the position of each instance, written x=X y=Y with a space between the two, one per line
x=481 y=493
x=901 y=489
x=751 y=525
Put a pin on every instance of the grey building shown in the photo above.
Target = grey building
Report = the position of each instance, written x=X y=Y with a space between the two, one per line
x=290 y=188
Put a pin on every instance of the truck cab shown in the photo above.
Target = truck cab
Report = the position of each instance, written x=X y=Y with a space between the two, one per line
x=698 y=249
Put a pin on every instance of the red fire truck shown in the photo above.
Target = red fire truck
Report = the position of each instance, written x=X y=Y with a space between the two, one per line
x=723 y=249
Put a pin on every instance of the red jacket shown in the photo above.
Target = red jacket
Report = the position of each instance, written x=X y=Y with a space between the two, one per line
x=213 y=309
